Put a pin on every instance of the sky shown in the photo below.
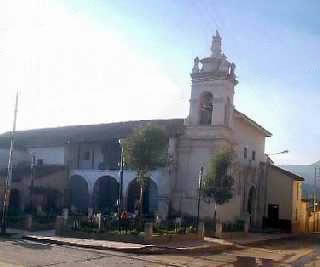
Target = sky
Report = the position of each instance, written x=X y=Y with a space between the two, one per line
x=96 y=61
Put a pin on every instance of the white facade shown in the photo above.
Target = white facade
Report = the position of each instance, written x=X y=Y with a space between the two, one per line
x=17 y=157
x=48 y=155
x=214 y=125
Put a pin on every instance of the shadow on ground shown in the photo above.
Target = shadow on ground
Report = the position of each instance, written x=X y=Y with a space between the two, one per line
x=26 y=243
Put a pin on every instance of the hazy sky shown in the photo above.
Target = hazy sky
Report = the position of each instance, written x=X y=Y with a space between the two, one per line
x=97 y=61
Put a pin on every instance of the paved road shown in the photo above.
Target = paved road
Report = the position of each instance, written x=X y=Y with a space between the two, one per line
x=295 y=252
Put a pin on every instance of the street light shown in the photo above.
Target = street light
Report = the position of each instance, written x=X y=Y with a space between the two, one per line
x=199 y=194
x=269 y=161
x=282 y=152
x=33 y=170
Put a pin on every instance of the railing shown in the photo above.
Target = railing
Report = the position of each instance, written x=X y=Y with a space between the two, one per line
x=17 y=222
x=36 y=223
x=238 y=226
x=43 y=222
x=130 y=225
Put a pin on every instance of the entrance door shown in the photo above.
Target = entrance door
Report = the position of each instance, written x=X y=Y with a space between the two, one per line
x=273 y=214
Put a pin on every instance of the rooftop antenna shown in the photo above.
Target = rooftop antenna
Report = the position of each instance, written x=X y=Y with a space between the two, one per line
x=8 y=179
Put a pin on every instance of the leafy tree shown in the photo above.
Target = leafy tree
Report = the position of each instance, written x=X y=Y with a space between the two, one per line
x=144 y=151
x=217 y=184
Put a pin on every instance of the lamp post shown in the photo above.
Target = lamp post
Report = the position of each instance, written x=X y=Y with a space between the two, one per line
x=199 y=194
x=315 y=202
x=8 y=180
x=282 y=152
x=33 y=169
x=120 y=202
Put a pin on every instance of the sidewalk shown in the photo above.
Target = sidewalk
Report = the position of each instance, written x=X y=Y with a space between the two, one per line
x=187 y=247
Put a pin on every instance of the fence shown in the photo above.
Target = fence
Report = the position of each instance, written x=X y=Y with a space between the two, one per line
x=130 y=225
x=32 y=223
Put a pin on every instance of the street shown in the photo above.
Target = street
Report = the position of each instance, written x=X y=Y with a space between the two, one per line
x=303 y=251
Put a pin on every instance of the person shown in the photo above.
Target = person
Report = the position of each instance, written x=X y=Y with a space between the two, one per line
x=124 y=221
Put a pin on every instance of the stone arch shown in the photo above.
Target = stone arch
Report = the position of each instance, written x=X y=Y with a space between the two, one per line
x=206 y=108
x=15 y=200
x=251 y=206
x=227 y=111
x=79 y=194
x=151 y=197
x=105 y=194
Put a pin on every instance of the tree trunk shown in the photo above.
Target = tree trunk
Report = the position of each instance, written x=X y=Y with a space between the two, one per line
x=141 y=200
x=141 y=177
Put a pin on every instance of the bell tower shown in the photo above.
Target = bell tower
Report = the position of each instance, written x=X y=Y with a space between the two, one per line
x=213 y=80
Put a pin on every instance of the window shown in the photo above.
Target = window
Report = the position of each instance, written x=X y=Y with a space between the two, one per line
x=39 y=162
x=206 y=108
x=227 y=108
x=86 y=155
x=253 y=155
x=245 y=153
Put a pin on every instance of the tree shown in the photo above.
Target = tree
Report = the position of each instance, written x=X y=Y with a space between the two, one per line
x=218 y=183
x=145 y=151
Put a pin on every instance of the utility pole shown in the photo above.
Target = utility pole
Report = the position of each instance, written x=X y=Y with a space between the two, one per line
x=199 y=195
x=33 y=169
x=8 y=180
x=121 y=179
x=315 y=203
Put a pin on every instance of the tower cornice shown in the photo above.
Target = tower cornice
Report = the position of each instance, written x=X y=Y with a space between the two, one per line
x=211 y=76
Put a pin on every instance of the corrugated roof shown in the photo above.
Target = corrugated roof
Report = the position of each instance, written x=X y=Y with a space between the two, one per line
x=88 y=133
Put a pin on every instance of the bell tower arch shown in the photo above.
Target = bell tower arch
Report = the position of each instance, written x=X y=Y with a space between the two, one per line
x=212 y=90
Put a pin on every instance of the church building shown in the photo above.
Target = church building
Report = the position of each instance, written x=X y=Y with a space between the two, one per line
x=90 y=153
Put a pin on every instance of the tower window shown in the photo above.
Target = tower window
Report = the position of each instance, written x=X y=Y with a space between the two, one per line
x=253 y=155
x=86 y=155
x=245 y=153
x=206 y=108
x=227 y=108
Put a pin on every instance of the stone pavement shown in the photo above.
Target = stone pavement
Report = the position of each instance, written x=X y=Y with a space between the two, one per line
x=249 y=238
x=286 y=252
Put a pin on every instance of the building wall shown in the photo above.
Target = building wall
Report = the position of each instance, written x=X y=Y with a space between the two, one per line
x=18 y=157
x=57 y=180
x=192 y=154
x=49 y=155
x=87 y=156
x=280 y=189
x=247 y=136
x=161 y=177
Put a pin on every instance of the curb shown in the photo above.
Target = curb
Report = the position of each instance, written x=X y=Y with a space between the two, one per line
x=145 y=249
x=73 y=244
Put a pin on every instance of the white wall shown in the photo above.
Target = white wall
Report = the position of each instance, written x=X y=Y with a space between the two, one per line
x=75 y=151
x=49 y=155
x=247 y=136
x=18 y=156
